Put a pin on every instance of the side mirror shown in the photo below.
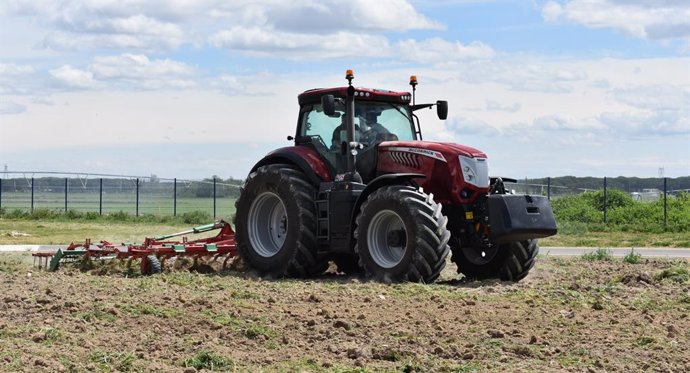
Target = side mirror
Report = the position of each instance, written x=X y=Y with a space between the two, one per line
x=442 y=109
x=328 y=104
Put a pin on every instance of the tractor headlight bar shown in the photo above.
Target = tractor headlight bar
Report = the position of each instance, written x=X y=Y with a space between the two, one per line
x=475 y=171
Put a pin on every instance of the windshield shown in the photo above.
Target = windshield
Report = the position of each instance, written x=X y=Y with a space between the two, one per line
x=374 y=121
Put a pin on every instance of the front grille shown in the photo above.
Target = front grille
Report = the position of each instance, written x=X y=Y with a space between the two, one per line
x=405 y=159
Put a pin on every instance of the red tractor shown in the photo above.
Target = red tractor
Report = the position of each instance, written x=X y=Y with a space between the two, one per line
x=362 y=189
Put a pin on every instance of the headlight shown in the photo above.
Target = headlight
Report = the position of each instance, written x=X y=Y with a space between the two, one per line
x=475 y=171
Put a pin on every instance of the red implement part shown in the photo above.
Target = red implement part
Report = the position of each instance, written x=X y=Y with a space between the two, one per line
x=222 y=244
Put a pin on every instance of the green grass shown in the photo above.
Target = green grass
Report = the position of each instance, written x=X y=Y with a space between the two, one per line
x=109 y=361
x=148 y=309
x=580 y=219
x=585 y=212
x=598 y=255
x=209 y=360
x=676 y=274
x=611 y=238
x=632 y=257
x=149 y=203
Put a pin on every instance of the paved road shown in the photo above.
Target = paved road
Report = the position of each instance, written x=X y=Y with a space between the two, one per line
x=553 y=251
x=619 y=251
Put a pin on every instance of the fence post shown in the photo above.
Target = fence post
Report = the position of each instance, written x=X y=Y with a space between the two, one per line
x=548 y=188
x=665 y=216
x=175 y=197
x=137 y=202
x=100 y=197
x=214 y=198
x=66 y=186
x=605 y=200
x=32 y=195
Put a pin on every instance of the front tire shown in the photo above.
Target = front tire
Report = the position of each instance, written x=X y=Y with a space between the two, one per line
x=276 y=223
x=401 y=235
x=508 y=262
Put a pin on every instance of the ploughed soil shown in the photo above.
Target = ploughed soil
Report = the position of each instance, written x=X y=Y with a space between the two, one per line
x=569 y=314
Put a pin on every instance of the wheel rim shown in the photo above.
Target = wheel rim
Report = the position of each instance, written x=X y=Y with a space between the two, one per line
x=267 y=225
x=386 y=238
x=480 y=256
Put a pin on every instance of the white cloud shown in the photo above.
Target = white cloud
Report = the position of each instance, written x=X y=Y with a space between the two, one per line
x=655 y=97
x=11 y=69
x=10 y=107
x=12 y=78
x=333 y=15
x=159 y=25
x=522 y=74
x=74 y=78
x=269 y=42
x=642 y=19
x=137 y=66
x=437 y=50
x=492 y=105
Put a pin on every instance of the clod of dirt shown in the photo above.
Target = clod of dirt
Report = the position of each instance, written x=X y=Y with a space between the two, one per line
x=495 y=333
x=597 y=306
x=313 y=298
x=342 y=324
x=359 y=353
x=568 y=314
x=38 y=337
x=521 y=351
x=533 y=340
x=202 y=268
x=672 y=331
x=632 y=279
x=387 y=353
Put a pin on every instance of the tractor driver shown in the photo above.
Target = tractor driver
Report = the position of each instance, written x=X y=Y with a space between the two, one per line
x=340 y=133
x=373 y=129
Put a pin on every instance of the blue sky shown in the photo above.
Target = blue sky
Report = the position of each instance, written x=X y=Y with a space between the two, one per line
x=190 y=89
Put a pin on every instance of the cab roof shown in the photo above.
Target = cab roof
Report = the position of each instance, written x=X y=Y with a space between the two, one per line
x=313 y=96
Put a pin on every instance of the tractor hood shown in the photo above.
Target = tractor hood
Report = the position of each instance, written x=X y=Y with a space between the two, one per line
x=435 y=149
x=455 y=174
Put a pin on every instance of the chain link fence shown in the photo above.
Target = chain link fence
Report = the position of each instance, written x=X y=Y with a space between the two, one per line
x=139 y=195
x=107 y=194
x=661 y=192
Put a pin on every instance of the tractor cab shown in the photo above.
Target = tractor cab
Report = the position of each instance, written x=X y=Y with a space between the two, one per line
x=378 y=116
x=387 y=119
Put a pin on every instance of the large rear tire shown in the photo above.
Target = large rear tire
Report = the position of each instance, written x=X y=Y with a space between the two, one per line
x=401 y=235
x=276 y=223
x=508 y=262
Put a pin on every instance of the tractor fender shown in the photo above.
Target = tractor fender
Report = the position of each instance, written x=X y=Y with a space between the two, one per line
x=379 y=182
x=305 y=159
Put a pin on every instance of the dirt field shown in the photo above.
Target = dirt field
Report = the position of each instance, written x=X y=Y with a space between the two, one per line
x=567 y=315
